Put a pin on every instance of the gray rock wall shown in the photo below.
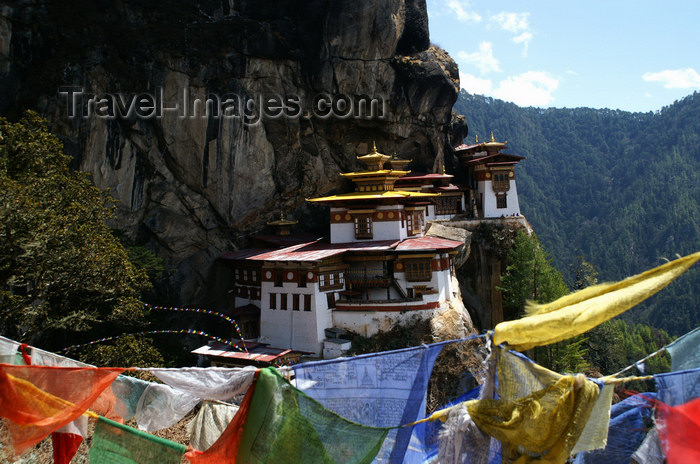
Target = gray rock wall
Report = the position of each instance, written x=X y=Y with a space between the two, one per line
x=193 y=187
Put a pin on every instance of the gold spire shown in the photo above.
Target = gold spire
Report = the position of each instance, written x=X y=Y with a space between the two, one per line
x=374 y=160
x=493 y=144
x=397 y=163
x=477 y=138
x=282 y=221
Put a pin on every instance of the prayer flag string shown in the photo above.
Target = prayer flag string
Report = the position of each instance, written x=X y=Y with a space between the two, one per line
x=151 y=332
x=229 y=319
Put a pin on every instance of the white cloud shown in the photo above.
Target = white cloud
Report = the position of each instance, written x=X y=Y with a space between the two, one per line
x=462 y=9
x=533 y=88
x=516 y=23
x=483 y=59
x=524 y=39
x=675 y=78
x=475 y=85
x=512 y=22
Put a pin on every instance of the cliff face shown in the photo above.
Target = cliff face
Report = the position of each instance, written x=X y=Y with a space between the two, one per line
x=480 y=276
x=193 y=186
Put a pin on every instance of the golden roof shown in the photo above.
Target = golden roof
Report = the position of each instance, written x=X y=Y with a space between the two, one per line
x=380 y=173
x=282 y=221
x=391 y=195
x=397 y=163
x=493 y=143
x=374 y=159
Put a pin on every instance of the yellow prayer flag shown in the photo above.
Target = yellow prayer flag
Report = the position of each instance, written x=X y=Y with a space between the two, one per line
x=581 y=311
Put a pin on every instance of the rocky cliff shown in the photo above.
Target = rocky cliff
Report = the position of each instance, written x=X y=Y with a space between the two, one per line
x=189 y=184
x=482 y=262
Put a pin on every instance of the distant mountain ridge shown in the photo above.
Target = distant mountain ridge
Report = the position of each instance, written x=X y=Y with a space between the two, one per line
x=622 y=189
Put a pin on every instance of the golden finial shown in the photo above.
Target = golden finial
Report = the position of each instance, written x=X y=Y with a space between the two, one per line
x=443 y=168
x=374 y=146
x=492 y=139
x=477 y=138
x=281 y=215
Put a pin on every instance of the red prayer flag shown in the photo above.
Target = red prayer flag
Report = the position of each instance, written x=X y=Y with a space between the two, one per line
x=225 y=449
x=679 y=429
x=65 y=445
x=39 y=400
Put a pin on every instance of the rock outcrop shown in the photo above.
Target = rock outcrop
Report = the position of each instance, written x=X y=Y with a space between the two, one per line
x=488 y=242
x=190 y=186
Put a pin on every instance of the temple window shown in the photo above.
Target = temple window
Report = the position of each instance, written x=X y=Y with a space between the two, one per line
x=447 y=205
x=307 y=302
x=363 y=226
x=295 y=302
x=413 y=222
x=283 y=305
x=330 y=297
x=501 y=181
x=278 y=278
x=418 y=270
x=330 y=280
x=273 y=301
x=501 y=201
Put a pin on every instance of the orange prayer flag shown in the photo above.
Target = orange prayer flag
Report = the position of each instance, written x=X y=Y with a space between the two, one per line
x=38 y=400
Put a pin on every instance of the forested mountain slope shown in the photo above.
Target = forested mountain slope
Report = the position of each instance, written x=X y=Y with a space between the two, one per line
x=622 y=189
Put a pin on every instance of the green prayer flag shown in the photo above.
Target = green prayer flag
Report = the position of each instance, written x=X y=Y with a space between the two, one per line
x=286 y=426
x=114 y=443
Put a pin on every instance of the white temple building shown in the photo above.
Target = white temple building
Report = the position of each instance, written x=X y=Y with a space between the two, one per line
x=378 y=267
x=491 y=175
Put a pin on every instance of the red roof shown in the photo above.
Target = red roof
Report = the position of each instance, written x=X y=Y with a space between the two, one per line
x=481 y=159
x=256 y=352
x=285 y=240
x=427 y=243
x=244 y=254
x=502 y=163
x=312 y=251
x=449 y=188
x=482 y=145
x=316 y=251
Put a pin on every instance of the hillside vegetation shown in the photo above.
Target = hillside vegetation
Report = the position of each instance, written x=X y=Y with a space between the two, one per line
x=620 y=189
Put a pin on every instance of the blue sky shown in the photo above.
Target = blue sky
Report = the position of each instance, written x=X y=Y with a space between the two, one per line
x=631 y=55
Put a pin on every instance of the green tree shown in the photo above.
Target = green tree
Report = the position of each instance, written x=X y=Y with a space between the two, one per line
x=530 y=275
x=590 y=185
x=64 y=278
x=584 y=273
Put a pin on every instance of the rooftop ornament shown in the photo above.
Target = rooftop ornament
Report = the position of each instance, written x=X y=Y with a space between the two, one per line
x=374 y=160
